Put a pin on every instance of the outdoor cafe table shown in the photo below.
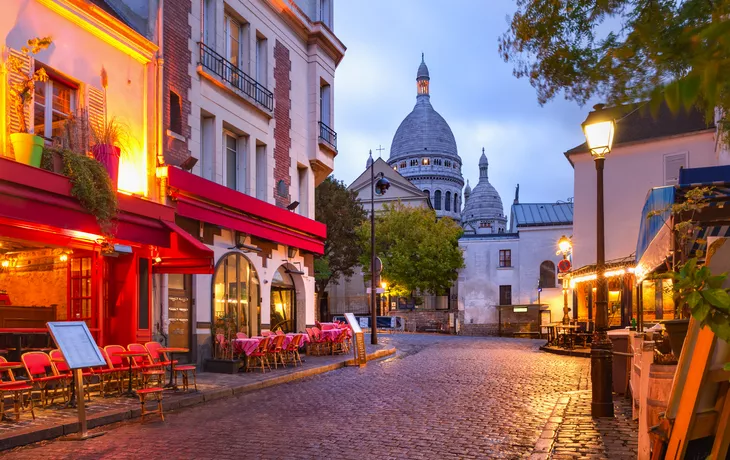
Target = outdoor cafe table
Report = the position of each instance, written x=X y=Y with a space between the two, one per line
x=331 y=334
x=568 y=332
x=328 y=326
x=130 y=355
x=171 y=351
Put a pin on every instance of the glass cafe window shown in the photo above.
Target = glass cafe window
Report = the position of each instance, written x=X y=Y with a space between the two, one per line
x=236 y=295
x=54 y=102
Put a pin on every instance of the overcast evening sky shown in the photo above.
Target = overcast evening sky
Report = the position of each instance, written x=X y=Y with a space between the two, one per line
x=471 y=87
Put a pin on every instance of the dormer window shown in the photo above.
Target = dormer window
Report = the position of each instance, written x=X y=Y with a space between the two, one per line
x=414 y=162
x=425 y=162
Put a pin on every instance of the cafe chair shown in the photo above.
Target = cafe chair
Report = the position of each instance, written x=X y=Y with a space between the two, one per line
x=317 y=345
x=17 y=390
x=279 y=332
x=43 y=375
x=260 y=356
x=156 y=393
x=108 y=374
x=292 y=351
x=276 y=349
x=119 y=363
x=62 y=369
x=155 y=355
x=340 y=345
x=184 y=370
x=148 y=369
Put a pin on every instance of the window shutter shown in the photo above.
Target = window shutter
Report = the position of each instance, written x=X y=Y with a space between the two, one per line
x=95 y=106
x=13 y=78
x=672 y=165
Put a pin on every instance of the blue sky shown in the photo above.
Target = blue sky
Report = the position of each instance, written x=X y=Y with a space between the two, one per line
x=471 y=87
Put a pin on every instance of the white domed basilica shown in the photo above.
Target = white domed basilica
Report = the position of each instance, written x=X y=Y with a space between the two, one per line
x=483 y=210
x=424 y=152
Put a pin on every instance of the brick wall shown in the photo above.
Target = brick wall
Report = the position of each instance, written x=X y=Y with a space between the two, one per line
x=282 y=119
x=177 y=56
x=425 y=320
x=480 y=329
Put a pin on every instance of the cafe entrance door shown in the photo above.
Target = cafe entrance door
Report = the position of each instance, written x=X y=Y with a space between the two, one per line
x=180 y=295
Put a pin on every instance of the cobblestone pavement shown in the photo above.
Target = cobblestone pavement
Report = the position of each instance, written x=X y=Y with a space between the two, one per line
x=440 y=397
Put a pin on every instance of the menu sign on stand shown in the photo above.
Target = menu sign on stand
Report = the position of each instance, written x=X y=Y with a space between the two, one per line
x=360 y=353
x=79 y=351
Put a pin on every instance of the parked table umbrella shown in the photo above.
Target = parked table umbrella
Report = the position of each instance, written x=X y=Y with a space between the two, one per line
x=130 y=355
x=171 y=351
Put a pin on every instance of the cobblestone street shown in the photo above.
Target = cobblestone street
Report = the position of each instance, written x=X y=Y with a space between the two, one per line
x=439 y=397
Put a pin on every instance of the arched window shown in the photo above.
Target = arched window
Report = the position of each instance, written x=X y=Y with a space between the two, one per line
x=414 y=161
x=437 y=162
x=547 y=274
x=447 y=163
x=456 y=202
x=236 y=295
x=437 y=200
x=447 y=201
x=402 y=164
x=427 y=193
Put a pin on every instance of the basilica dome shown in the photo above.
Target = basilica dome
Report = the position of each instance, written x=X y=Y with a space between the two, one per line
x=483 y=209
x=424 y=152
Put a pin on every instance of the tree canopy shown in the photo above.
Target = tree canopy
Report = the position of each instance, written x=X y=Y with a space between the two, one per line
x=624 y=51
x=339 y=209
x=419 y=252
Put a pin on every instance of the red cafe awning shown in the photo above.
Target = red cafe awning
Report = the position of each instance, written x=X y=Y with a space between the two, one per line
x=186 y=255
x=206 y=201
x=35 y=199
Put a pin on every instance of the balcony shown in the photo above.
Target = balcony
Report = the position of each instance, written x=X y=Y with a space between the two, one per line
x=328 y=136
x=229 y=73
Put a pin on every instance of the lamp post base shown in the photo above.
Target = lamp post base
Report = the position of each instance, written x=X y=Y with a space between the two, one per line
x=601 y=375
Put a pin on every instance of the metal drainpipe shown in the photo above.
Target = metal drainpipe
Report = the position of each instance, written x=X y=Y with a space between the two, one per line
x=160 y=102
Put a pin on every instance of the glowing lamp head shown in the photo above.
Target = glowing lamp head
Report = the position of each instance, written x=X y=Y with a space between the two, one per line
x=63 y=258
x=158 y=259
x=564 y=244
x=5 y=263
x=381 y=186
x=599 y=130
x=384 y=285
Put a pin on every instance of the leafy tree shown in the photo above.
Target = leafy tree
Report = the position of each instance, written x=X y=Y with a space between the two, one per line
x=419 y=252
x=340 y=210
x=624 y=51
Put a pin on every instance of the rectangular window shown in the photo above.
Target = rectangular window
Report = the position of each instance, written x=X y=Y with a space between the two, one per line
x=54 y=102
x=325 y=96
x=80 y=290
x=261 y=59
x=505 y=295
x=303 y=193
x=232 y=30
x=505 y=258
x=325 y=13
x=208 y=22
x=261 y=172
x=231 y=161
x=175 y=113
x=144 y=294
x=672 y=165
x=207 y=146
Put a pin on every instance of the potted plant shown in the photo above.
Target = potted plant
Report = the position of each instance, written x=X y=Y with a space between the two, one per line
x=27 y=147
x=224 y=331
x=107 y=138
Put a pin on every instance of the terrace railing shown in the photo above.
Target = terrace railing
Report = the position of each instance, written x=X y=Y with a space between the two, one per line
x=328 y=135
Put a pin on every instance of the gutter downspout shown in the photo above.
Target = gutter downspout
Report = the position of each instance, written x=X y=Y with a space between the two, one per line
x=160 y=101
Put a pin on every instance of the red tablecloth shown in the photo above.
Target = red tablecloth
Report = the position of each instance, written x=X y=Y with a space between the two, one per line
x=331 y=334
x=245 y=346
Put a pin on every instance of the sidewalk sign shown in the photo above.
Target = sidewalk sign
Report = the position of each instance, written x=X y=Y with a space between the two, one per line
x=359 y=348
x=79 y=350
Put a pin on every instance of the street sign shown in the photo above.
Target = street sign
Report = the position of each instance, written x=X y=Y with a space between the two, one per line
x=564 y=265
x=378 y=266
x=377 y=290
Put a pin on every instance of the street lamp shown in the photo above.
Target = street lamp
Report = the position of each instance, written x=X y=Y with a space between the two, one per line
x=379 y=187
x=599 y=129
x=565 y=246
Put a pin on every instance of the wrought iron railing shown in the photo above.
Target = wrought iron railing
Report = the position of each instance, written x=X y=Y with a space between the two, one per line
x=236 y=77
x=328 y=135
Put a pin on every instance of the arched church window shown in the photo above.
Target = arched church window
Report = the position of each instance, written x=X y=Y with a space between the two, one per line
x=427 y=193
x=425 y=161
x=447 y=163
x=414 y=162
x=437 y=161
x=456 y=202
x=447 y=201
x=547 y=274
x=402 y=164
x=437 y=200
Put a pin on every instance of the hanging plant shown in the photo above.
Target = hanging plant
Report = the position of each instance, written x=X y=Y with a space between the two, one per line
x=90 y=185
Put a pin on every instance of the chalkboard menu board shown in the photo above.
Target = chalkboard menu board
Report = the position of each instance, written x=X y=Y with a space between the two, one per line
x=76 y=343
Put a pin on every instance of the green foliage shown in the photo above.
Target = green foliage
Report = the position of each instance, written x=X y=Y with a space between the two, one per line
x=225 y=324
x=624 y=51
x=22 y=91
x=702 y=292
x=90 y=184
x=339 y=209
x=420 y=253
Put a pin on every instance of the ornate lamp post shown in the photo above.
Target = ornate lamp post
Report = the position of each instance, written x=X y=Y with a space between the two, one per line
x=599 y=130
x=379 y=187
x=565 y=247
